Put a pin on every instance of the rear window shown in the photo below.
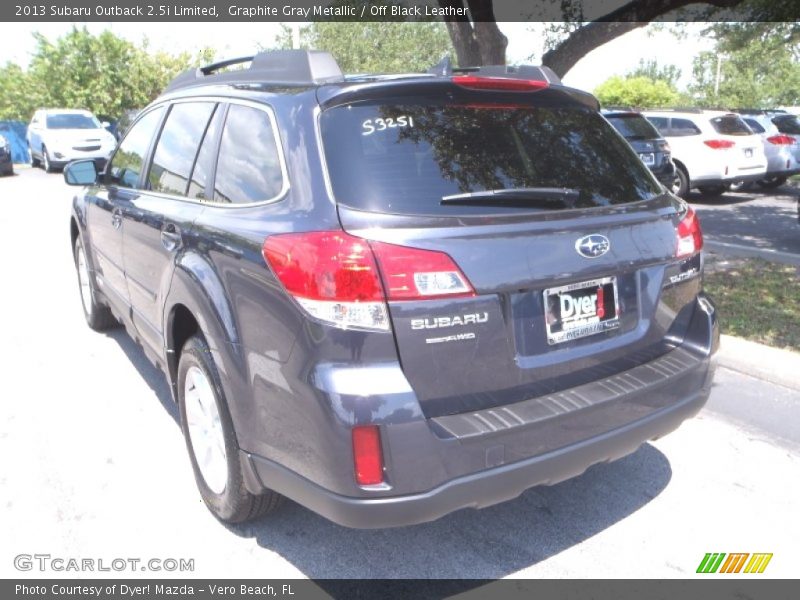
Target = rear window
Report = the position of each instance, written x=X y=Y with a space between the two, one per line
x=787 y=124
x=634 y=127
x=405 y=158
x=72 y=121
x=754 y=125
x=730 y=125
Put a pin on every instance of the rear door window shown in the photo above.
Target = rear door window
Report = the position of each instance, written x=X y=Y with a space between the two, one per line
x=683 y=128
x=405 y=158
x=128 y=161
x=249 y=168
x=177 y=147
x=730 y=125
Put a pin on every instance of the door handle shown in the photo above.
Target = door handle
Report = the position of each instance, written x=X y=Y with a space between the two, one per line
x=170 y=237
x=116 y=218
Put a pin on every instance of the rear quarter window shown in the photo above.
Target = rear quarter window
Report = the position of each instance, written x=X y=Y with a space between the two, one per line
x=634 y=127
x=248 y=167
x=683 y=128
x=754 y=125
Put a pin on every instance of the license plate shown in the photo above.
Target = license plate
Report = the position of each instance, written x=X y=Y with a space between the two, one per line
x=649 y=158
x=581 y=309
x=748 y=153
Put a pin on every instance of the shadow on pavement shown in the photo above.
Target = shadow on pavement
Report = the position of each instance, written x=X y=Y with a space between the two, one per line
x=469 y=544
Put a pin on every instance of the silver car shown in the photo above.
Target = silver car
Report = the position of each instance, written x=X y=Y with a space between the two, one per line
x=780 y=134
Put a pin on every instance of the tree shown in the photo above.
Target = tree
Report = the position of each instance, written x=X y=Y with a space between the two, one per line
x=636 y=92
x=669 y=74
x=386 y=47
x=104 y=73
x=478 y=41
x=752 y=65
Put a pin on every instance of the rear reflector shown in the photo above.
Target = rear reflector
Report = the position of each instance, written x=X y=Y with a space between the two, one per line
x=690 y=236
x=367 y=455
x=719 y=144
x=781 y=140
x=345 y=280
x=499 y=83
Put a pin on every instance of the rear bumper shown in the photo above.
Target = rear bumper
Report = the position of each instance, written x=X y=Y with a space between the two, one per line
x=482 y=458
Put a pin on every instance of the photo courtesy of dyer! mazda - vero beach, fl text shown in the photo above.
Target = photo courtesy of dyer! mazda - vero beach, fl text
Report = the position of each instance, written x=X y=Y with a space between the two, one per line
x=392 y=297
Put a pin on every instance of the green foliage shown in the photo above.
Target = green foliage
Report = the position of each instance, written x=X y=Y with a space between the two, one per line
x=757 y=65
x=379 y=47
x=637 y=92
x=104 y=73
x=669 y=74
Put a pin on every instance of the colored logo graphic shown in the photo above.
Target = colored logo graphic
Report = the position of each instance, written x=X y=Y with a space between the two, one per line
x=734 y=563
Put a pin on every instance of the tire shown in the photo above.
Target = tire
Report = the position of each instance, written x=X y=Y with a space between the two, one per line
x=680 y=186
x=773 y=182
x=46 y=164
x=34 y=160
x=207 y=426
x=712 y=191
x=98 y=316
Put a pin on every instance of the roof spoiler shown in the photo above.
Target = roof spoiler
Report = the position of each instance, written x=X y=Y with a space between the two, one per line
x=287 y=67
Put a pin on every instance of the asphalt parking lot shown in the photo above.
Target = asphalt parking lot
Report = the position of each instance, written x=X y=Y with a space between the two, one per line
x=94 y=466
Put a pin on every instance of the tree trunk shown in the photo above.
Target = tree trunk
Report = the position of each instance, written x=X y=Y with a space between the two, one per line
x=479 y=42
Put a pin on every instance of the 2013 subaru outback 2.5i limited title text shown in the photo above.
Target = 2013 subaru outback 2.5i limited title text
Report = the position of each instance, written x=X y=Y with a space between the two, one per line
x=391 y=297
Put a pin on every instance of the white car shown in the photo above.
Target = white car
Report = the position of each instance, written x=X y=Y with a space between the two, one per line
x=58 y=136
x=780 y=134
x=711 y=149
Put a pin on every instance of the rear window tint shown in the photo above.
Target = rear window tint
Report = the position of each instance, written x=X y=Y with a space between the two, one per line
x=634 y=127
x=405 y=158
x=730 y=125
x=754 y=125
x=787 y=124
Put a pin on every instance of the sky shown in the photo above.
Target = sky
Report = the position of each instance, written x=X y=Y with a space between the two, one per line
x=241 y=39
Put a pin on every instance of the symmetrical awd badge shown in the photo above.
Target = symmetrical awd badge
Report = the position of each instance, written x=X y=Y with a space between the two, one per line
x=592 y=246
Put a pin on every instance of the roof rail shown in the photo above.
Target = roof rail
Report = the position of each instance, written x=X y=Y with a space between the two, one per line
x=445 y=68
x=286 y=67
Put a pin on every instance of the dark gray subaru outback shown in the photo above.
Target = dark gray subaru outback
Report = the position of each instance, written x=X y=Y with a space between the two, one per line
x=391 y=297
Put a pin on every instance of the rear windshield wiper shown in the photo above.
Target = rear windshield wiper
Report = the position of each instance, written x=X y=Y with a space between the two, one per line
x=537 y=197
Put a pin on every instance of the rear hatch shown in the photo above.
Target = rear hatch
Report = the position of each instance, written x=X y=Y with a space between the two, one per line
x=746 y=150
x=789 y=126
x=564 y=242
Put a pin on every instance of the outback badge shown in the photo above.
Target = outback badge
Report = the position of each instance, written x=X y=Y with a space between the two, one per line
x=592 y=246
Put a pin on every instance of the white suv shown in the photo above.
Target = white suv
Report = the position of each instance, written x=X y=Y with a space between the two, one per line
x=711 y=149
x=779 y=133
x=58 y=136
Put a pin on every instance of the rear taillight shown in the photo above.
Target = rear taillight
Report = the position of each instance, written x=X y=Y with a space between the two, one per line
x=414 y=274
x=690 y=236
x=499 y=83
x=345 y=280
x=367 y=455
x=719 y=144
x=781 y=140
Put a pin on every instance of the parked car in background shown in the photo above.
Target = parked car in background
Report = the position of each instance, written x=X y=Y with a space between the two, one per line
x=393 y=297
x=780 y=135
x=58 y=136
x=6 y=163
x=646 y=140
x=710 y=149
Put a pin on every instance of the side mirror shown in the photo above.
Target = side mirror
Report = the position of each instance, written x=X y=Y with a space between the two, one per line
x=81 y=172
x=105 y=124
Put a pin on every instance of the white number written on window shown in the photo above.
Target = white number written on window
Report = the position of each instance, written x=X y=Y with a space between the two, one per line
x=370 y=126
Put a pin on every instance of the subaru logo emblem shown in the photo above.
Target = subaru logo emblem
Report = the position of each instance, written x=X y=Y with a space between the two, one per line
x=592 y=246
